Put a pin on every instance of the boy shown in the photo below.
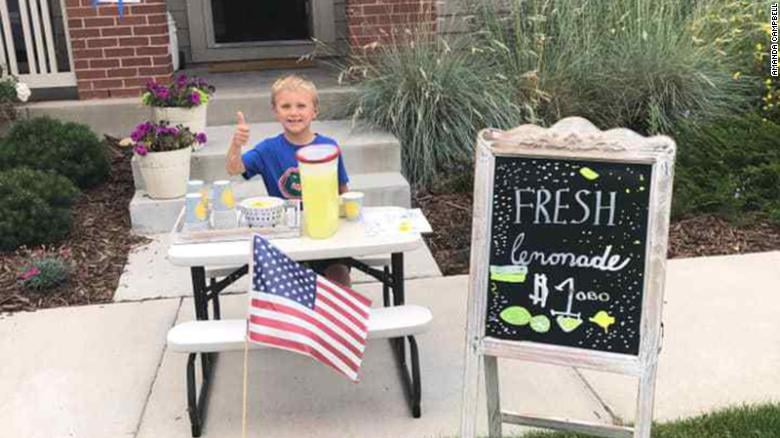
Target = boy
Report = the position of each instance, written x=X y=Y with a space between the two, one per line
x=295 y=104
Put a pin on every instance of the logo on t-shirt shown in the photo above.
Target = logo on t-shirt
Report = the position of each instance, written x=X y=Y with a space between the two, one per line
x=290 y=183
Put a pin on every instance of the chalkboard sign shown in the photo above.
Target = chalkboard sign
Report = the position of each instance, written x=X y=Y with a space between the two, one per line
x=567 y=252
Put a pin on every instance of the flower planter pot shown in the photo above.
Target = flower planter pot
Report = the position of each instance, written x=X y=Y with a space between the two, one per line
x=193 y=118
x=166 y=174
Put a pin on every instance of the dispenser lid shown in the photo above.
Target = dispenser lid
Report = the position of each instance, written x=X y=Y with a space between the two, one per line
x=317 y=153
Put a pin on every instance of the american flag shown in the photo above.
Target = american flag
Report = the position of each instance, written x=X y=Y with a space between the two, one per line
x=293 y=308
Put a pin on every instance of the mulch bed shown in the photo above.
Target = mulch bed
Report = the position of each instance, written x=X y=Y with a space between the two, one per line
x=450 y=217
x=96 y=249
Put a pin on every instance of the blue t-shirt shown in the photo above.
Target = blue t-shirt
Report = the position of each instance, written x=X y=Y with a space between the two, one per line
x=274 y=159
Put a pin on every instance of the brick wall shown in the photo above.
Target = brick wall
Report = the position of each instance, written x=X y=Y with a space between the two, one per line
x=370 y=21
x=115 y=57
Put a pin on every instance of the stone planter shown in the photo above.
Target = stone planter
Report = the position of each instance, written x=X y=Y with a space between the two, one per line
x=166 y=174
x=193 y=118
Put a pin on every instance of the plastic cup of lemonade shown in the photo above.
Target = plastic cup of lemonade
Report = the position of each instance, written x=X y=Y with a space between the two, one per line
x=318 y=168
x=352 y=202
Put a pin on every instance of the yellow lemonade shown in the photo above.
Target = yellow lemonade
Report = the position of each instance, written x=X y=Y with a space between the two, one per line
x=320 y=192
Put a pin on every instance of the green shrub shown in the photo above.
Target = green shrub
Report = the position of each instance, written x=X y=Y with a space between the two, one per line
x=70 y=149
x=629 y=63
x=44 y=274
x=728 y=167
x=35 y=206
x=434 y=97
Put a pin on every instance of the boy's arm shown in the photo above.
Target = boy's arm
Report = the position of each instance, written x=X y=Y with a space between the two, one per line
x=234 y=164
x=343 y=188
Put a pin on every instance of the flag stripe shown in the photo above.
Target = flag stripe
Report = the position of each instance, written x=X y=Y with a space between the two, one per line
x=345 y=328
x=338 y=310
x=359 y=300
x=326 y=311
x=309 y=323
x=343 y=298
x=326 y=307
x=351 y=362
x=299 y=347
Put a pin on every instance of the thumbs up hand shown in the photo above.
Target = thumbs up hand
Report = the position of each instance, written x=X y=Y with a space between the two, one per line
x=241 y=134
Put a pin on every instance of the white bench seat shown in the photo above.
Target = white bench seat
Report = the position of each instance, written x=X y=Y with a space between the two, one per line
x=228 y=335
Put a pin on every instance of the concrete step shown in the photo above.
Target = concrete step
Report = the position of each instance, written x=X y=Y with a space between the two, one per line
x=365 y=149
x=159 y=215
x=118 y=117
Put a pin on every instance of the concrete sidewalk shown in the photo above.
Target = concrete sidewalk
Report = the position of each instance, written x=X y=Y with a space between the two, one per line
x=100 y=371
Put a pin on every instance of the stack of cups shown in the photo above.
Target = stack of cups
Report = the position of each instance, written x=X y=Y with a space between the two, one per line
x=196 y=209
x=223 y=205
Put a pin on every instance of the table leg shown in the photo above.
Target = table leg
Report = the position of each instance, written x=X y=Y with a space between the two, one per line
x=410 y=375
x=197 y=398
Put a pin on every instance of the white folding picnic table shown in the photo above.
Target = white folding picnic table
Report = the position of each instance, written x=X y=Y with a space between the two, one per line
x=350 y=243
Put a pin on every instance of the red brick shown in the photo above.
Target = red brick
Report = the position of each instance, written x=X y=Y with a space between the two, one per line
x=81 y=12
x=109 y=11
x=117 y=53
x=78 y=44
x=84 y=85
x=122 y=73
x=102 y=42
x=125 y=92
x=87 y=53
x=72 y=3
x=134 y=82
x=162 y=60
x=130 y=62
x=376 y=9
x=154 y=70
x=75 y=23
x=157 y=29
x=84 y=33
x=91 y=74
x=147 y=9
x=134 y=41
x=133 y=21
x=98 y=22
x=159 y=40
x=104 y=63
x=107 y=83
x=81 y=65
x=151 y=51
x=96 y=94
x=157 y=19
x=117 y=31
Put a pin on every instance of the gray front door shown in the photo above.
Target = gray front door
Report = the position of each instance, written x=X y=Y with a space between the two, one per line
x=230 y=30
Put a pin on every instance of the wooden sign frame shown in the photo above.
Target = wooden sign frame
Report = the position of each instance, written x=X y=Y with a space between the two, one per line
x=576 y=139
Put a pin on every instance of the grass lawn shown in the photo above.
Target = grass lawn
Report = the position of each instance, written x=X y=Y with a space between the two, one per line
x=759 y=421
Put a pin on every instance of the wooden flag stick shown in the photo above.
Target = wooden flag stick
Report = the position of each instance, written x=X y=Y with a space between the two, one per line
x=243 y=413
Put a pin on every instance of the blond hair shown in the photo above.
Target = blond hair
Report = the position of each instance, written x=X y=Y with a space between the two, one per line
x=294 y=83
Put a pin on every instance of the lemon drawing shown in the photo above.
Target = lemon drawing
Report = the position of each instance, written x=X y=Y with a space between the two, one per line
x=200 y=211
x=508 y=273
x=405 y=226
x=516 y=315
x=603 y=320
x=540 y=324
x=588 y=173
x=227 y=199
x=568 y=324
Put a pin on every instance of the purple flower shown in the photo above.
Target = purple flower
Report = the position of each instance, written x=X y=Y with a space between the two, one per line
x=162 y=93
x=200 y=137
x=141 y=149
x=29 y=273
x=195 y=98
x=181 y=80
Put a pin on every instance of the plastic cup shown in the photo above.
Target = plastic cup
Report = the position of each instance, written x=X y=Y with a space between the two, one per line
x=353 y=205
x=222 y=196
x=196 y=212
